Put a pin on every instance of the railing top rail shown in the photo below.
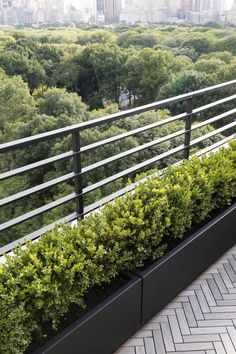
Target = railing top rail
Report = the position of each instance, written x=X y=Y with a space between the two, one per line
x=12 y=145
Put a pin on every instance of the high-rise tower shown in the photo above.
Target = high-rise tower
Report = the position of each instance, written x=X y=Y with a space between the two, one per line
x=206 y=11
x=187 y=5
x=88 y=10
x=174 y=7
x=133 y=11
x=146 y=10
x=232 y=13
x=113 y=10
x=100 y=11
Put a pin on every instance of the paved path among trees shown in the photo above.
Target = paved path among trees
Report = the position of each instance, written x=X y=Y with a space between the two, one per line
x=201 y=320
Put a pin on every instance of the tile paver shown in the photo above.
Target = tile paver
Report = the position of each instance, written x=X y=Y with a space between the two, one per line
x=201 y=320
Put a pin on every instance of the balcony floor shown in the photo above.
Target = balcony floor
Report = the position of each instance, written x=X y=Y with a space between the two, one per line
x=201 y=320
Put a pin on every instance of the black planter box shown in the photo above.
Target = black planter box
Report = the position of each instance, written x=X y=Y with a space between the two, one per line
x=167 y=277
x=103 y=329
x=106 y=327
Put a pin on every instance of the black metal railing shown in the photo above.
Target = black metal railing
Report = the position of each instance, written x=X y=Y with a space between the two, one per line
x=78 y=172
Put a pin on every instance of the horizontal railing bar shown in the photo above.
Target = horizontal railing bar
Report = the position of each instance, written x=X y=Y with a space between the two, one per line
x=214 y=119
x=209 y=135
x=92 y=207
x=133 y=132
x=155 y=125
x=98 y=204
x=132 y=186
x=132 y=170
x=87 y=148
x=212 y=88
x=213 y=104
x=108 y=199
x=105 y=142
x=214 y=146
x=131 y=151
x=32 y=166
x=36 y=212
x=36 y=234
x=108 y=119
x=36 y=189
x=113 y=178
x=110 y=140
x=90 y=147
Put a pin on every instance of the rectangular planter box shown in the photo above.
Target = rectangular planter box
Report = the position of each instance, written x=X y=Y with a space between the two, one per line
x=105 y=328
x=167 y=277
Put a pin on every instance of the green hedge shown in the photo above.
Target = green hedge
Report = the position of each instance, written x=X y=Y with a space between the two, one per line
x=41 y=282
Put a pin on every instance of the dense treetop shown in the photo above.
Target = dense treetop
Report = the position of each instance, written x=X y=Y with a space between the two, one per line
x=99 y=63
x=54 y=77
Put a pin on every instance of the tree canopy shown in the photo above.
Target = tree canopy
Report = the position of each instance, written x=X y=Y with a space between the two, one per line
x=55 y=77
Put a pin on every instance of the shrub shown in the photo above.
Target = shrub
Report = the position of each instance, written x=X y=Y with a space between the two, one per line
x=41 y=282
x=221 y=173
x=190 y=175
x=136 y=224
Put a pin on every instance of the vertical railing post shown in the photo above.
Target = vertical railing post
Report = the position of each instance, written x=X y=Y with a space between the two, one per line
x=188 y=126
x=77 y=167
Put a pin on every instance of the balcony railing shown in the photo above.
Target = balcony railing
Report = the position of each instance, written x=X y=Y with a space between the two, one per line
x=78 y=172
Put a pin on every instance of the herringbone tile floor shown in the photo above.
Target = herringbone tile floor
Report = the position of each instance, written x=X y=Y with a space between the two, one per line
x=201 y=320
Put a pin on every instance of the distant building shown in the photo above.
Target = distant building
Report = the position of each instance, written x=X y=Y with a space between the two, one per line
x=5 y=7
x=231 y=14
x=186 y=8
x=132 y=11
x=54 y=11
x=144 y=11
x=100 y=11
x=88 y=10
x=187 y=5
x=30 y=8
x=11 y=17
x=202 y=11
x=28 y=12
x=112 y=10
x=174 y=8
x=196 y=11
x=74 y=15
x=155 y=10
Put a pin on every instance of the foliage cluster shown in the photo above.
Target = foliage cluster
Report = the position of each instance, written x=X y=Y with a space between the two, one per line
x=40 y=283
x=101 y=63
x=56 y=77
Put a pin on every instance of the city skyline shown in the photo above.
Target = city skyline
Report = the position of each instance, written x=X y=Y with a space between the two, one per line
x=75 y=3
x=28 y=12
